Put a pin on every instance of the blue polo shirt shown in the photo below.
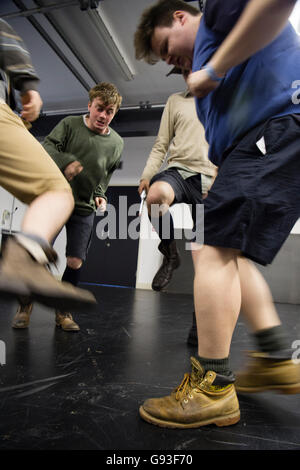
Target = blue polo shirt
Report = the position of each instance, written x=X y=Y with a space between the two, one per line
x=251 y=93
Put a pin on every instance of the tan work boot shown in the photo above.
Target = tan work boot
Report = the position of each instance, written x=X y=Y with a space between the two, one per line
x=21 y=275
x=22 y=317
x=199 y=400
x=268 y=372
x=65 y=321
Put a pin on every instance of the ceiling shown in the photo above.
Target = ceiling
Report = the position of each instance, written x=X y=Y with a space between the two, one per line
x=71 y=53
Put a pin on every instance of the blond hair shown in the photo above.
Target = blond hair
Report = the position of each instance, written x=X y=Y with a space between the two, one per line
x=159 y=14
x=107 y=92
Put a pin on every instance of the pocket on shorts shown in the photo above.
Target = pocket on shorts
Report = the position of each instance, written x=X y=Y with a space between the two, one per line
x=278 y=133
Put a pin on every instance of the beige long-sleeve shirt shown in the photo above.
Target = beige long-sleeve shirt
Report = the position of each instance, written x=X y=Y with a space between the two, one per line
x=180 y=139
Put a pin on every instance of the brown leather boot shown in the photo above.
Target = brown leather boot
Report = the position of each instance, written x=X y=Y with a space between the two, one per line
x=201 y=399
x=22 y=275
x=170 y=262
x=22 y=317
x=65 y=321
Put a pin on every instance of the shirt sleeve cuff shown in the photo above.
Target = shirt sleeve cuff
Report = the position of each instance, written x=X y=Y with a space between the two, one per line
x=29 y=85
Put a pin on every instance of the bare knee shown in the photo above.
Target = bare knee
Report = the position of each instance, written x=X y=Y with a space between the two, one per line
x=69 y=199
x=159 y=198
x=74 y=263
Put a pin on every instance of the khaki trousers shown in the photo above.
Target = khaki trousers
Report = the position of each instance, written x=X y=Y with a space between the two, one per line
x=26 y=169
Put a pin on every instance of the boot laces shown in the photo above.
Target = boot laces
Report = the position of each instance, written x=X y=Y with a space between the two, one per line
x=184 y=388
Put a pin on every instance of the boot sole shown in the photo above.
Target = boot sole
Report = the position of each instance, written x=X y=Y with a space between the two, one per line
x=67 y=329
x=284 y=389
x=61 y=301
x=7 y=290
x=64 y=303
x=228 y=420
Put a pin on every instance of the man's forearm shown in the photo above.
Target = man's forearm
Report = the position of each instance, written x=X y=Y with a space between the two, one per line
x=259 y=24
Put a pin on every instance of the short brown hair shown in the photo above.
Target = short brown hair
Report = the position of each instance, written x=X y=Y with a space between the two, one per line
x=107 y=92
x=160 y=14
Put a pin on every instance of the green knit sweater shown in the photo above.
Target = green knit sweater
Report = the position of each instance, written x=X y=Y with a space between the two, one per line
x=99 y=155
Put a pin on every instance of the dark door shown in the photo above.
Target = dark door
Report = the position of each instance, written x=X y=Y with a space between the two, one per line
x=112 y=257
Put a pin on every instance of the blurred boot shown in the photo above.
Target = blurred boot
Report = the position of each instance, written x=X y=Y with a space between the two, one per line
x=22 y=275
x=270 y=371
x=170 y=262
x=65 y=321
x=22 y=317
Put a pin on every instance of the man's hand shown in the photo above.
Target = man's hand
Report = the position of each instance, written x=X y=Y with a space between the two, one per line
x=200 y=84
x=31 y=104
x=144 y=185
x=72 y=170
x=101 y=203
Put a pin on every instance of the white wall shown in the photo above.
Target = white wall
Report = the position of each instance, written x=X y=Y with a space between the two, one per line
x=135 y=155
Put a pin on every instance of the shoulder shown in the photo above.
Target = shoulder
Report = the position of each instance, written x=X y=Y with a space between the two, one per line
x=117 y=138
x=179 y=99
x=172 y=100
x=72 y=121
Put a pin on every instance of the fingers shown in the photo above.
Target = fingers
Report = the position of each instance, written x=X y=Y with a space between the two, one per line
x=72 y=170
x=200 y=84
x=31 y=104
x=144 y=185
x=101 y=203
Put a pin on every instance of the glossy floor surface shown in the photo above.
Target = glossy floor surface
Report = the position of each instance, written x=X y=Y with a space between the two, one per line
x=81 y=391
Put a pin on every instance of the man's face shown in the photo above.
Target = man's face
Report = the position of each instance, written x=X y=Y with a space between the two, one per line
x=174 y=44
x=100 y=116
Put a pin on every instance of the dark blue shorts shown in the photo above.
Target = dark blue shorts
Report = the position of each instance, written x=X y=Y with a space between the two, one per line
x=79 y=229
x=255 y=199
x=187 y=190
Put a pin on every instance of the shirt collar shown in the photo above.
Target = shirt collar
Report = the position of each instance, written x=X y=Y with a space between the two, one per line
x=85 y=123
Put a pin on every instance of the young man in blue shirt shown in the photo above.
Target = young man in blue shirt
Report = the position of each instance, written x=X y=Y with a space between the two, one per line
x=245 y=102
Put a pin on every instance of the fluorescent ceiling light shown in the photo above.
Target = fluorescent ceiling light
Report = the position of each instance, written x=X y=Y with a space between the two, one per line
x=104 y=31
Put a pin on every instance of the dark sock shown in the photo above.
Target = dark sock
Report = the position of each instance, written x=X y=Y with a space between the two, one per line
x=194 y=321
x=220 y=366
x=164 y=227
x=71 y=275
x=272 y=339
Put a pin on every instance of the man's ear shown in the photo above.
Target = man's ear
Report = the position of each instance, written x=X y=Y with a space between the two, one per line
x=180 y=15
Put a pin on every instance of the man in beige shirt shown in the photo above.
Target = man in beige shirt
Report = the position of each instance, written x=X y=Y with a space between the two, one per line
x=187 y=177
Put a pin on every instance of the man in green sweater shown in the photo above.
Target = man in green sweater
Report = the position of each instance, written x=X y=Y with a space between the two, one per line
x=87 y=150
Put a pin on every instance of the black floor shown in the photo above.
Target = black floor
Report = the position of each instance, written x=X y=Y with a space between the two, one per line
x=81 y=391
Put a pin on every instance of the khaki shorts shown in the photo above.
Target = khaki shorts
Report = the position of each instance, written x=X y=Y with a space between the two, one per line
x=26 y=169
